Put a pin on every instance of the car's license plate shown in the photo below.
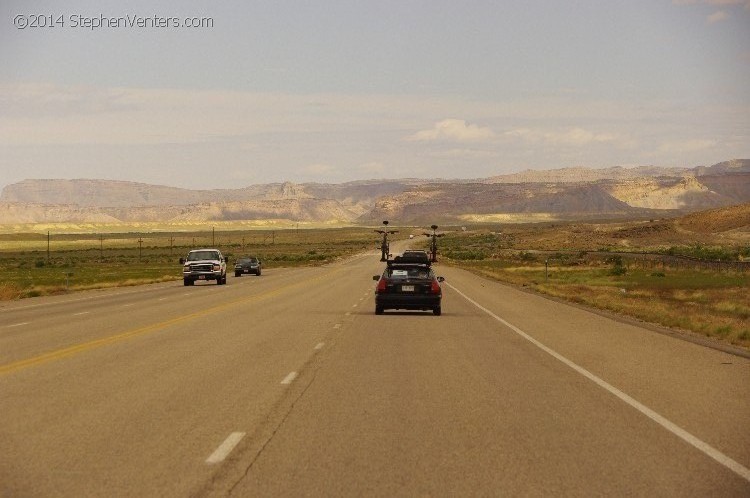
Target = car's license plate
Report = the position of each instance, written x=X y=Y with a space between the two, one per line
x=407 y=288
x=201 y=277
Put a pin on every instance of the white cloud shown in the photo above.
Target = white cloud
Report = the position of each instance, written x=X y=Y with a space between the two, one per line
x=136 y=133
x=453 y=130
x=717 y=16
x=572 y=137
x=372 y=167
x=464 y=153
x=715 y=3
x=577 y=137
x=681 y=146
x=710 y=2
x=318 y=169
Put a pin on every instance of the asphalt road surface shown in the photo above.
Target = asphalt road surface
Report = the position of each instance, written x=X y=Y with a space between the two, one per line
x=289 y=385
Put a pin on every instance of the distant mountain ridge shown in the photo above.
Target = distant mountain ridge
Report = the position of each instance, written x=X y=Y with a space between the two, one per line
x=567 y=192
x=575 y=175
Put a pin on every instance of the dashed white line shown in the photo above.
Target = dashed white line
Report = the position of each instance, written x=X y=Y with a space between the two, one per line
x=320 y=346
x=162 y=299
x=355 y=305
x=337 y=326
x=289 y=378
x=17 y=325
x=348 y=313
x=128 y=305
x=681 y=433
x=81 y=313
x=226 y=447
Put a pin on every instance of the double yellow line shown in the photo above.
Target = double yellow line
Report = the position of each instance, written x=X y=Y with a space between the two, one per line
x=106 y=341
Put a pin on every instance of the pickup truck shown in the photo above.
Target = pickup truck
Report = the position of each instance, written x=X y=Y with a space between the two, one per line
x=204 y=264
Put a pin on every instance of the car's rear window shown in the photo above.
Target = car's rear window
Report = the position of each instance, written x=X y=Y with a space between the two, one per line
x=405 y=273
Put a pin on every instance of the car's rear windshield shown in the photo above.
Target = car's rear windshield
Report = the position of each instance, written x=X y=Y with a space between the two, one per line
x=248 y=260
x=407 y=272
x=202 y=255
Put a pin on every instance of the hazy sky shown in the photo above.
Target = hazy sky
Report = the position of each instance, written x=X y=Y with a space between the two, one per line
x=333 y=91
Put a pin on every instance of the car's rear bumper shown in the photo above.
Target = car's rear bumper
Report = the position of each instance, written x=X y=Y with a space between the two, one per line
x=407 y=301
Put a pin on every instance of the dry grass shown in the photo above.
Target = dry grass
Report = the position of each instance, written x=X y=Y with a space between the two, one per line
x=712 y=303
x=82 y=261
x=709 y=304
x=9 y=292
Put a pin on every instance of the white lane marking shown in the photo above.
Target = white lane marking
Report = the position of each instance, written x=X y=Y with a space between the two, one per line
x=348 y=313
x=354 y=306
x=320 y=346
x=289 y=378
x=226 y=447
x=707 y=449
x=17 y=325
x=337 y=326
x=187 y=294
x=89 y=298
x=81 y=313
x=128 y=305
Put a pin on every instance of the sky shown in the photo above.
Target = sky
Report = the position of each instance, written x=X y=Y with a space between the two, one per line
x=333 y=91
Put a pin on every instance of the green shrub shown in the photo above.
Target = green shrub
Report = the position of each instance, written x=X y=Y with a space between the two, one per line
x=723 y=331
x=618 y=270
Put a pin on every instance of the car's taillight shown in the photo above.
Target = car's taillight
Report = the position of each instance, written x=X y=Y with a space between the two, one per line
x=435 y=288
x=381 y=285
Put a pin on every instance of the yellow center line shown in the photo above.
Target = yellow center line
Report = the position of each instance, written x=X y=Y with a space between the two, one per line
x=98 y=343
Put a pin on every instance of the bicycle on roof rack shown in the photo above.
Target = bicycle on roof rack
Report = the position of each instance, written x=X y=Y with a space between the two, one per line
x=385 y=248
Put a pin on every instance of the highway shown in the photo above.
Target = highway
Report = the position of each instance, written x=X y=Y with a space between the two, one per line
x=289 y=385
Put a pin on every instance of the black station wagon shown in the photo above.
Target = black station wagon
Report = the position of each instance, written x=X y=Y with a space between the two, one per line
x=408 y=283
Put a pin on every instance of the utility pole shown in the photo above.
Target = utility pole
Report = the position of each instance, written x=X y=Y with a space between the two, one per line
x=140 y=248
x=47 y=246
x=101 y=248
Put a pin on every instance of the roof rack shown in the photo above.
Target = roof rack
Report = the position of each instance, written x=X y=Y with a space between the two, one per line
x=410 y=260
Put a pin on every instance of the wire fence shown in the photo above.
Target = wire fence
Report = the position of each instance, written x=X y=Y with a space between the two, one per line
x=648 y=260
